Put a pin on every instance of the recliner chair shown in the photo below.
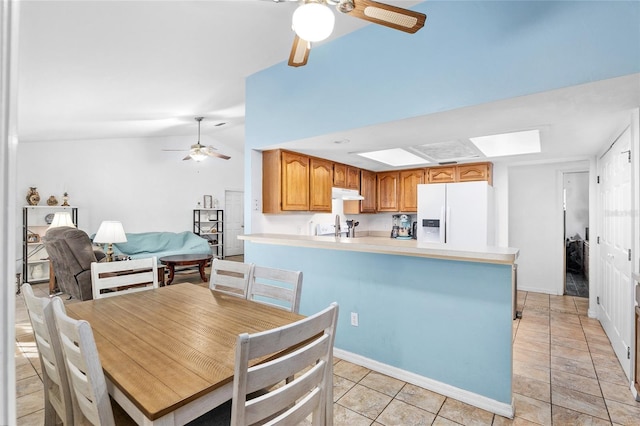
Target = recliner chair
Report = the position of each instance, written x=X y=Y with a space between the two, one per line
x=71 y=253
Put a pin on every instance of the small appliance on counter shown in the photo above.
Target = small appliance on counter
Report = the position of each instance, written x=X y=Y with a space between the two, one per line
x=403 y=227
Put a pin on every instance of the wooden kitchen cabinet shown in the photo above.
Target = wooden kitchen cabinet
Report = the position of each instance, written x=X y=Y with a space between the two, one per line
x=409 y=181
x=387 y=191
x=339 y=175
x=320 y=182
x=353 y=178
x=474 y=172
x=368 y=191
x=285 y=181
x=441 y=174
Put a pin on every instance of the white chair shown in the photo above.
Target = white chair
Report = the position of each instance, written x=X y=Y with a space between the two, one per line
x=86 y=379
x=271 y=285
x=309 y=393
x=230 y=277
x=123 y=276
x=58 y=405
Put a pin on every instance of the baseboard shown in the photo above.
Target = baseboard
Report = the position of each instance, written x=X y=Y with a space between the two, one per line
x=496 y=407
x=537 y=290
x=592 y=313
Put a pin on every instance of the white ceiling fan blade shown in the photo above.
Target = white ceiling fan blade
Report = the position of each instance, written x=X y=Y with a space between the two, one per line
x=299 y=52
x=210 y=151
x=390 y=16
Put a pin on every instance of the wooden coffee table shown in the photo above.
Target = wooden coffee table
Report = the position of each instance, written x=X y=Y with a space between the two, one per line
x=199 y=260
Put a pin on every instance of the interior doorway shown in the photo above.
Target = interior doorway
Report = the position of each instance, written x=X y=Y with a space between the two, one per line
x=233 y=222
x=576 y=233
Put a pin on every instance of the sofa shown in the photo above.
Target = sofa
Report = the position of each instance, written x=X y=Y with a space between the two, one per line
x=159 y=244
x=71 y=254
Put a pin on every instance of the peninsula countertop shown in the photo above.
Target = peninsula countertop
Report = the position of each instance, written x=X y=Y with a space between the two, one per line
x=371 y=244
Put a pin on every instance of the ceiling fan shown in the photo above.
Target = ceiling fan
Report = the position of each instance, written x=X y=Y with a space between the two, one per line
x=199 y=152
x=313 y=21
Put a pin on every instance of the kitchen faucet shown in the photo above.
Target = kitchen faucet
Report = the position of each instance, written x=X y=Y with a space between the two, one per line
x=337 y=226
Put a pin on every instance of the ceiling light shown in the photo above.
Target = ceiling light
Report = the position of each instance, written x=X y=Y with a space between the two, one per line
x=515 y=143
x=197 y=155
x=394 y=157
x=313 y=21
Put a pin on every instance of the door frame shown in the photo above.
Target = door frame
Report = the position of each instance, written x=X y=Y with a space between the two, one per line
x=240 y=217
x=562 y=174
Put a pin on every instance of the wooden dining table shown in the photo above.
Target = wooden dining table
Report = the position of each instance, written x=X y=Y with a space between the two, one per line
x=168 y=354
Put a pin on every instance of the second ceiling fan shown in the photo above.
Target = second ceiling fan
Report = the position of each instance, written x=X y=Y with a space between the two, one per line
x=313 y=21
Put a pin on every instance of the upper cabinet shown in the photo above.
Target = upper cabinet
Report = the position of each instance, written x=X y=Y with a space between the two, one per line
x=320 y=182
x=368 y=191
x=353 y=178
x=388 y=200
x=339 y=175
x=441 y=174
x=475 y=172
x=409 y=181
x=285 y=181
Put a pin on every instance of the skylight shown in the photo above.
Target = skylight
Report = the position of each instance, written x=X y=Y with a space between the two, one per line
x=394 y=157
x=516 y=143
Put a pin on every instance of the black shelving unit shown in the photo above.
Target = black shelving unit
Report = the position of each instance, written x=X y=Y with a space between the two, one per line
x=209 y=224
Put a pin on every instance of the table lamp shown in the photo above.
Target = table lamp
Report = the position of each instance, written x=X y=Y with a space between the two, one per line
x=62 y=219
x=110 y=232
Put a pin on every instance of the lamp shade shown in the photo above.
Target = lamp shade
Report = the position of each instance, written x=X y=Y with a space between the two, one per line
x=110 y=231
x=62 y=219
x=313 y=21
x=197 y=154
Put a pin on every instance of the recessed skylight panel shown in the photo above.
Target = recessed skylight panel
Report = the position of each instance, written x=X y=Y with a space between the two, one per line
x=394 y=157
x=516 y=143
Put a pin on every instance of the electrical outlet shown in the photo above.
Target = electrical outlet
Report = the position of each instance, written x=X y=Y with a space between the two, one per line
x=354 y=319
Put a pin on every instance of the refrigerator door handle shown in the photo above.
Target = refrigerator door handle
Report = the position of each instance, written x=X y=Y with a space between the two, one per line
x=446 y=225
x=443 y=224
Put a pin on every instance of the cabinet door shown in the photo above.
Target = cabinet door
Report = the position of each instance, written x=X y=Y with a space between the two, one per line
x=353 y=177
x=339 y=175
x=295 y=181
x=474 y=172
x=321 y=179
x=409 y=181
x=368 y=191
x=441 y=174
x=388 y=192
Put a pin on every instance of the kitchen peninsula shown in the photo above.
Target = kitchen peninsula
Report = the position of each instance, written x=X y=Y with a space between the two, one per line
x=431 y=315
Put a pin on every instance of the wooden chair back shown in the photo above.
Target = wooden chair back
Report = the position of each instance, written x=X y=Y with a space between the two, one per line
x=230 y=277
x=311 y=362
x=276 y=287
x=58 y=405
x=86 y=379
x=113 y=278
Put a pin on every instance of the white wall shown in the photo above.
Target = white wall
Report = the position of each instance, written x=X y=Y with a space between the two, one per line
x=130 y=180
x=536 y=224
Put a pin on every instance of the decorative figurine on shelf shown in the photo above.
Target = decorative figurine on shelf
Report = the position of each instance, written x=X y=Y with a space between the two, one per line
x=33 y=198
x=51 y=201
x=65 y=199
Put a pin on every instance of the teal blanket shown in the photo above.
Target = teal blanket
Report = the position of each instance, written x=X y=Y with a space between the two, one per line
x=147 y=244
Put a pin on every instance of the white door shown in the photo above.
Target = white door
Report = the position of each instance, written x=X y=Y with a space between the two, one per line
x=233 y=222
x=431 y=208
x=468 y=213
x=614 y=268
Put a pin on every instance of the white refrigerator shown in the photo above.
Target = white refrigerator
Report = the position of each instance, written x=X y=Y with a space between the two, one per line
x=460 y=214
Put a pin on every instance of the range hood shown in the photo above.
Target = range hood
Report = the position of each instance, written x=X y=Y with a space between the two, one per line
x=345 y=194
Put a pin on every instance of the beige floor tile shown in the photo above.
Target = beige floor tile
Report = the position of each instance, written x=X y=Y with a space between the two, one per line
x=33 y=419
x=570 y=343
x=572 y=366
x=532 y=409
x=611 y=375
x=564 y=318
x=401 y=413
x=533 y=358
x=441 y=421
x=464 y=413
x=579 y=401
x=345 y=417
x=535 y=327
x=365 y=401
x=30 y=403
x=28 y=385
x=528 y=309
x=25 y=371
x=350 y=371
x=602 y=349
x=618 y=393
x=382 y=383
x=624 y=414
x=606 y=361
x=524 y=345
x=421 y=398
x=532 y=371
x=564 y=416
x=533 y=336
x=575 y=382
x=532 y=388
x=341 y=386
x=571 y=353
x=516 y=421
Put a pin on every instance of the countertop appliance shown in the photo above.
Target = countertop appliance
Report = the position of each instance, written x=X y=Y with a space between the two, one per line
x=456 y=213
x=403 y=226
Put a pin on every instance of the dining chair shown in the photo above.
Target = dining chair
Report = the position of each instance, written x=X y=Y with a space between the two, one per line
x=230 y=277
x=114 y=278
x=90 y=398
x=308 y=355
x=58 y=405
x=276 y=287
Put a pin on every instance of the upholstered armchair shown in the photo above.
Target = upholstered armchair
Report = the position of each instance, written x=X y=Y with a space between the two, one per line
x=71 y=253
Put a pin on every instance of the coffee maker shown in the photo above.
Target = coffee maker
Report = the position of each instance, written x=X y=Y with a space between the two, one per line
x=403 y=226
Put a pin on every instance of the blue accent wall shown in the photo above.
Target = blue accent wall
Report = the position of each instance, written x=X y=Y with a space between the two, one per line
x=468 y=53
x=446 y=320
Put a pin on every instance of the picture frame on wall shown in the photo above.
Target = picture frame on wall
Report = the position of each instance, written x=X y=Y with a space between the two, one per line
x=208 y=202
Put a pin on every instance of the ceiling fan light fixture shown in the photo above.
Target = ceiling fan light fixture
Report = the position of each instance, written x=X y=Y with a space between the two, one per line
x=313 y=21
x=197 y=155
